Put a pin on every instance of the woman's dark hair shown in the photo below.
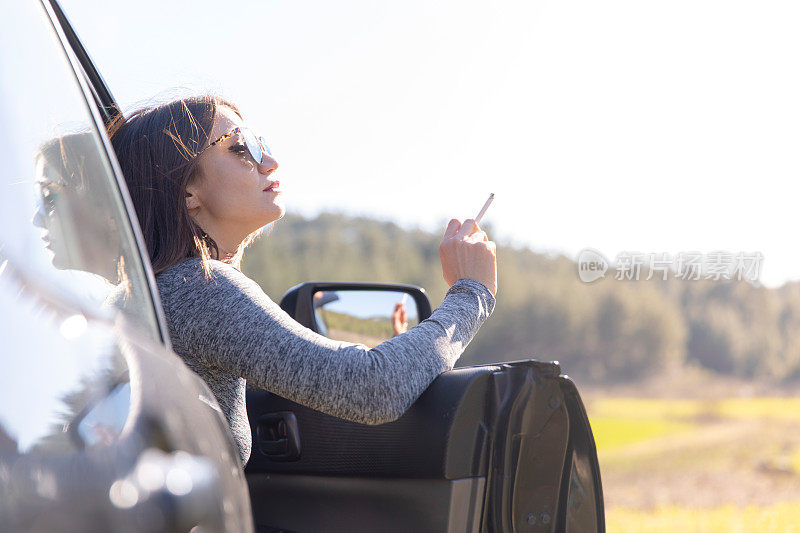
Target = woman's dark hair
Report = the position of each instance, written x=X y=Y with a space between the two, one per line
x=157 y=148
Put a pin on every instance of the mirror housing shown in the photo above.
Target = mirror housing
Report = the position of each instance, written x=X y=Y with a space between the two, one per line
x=298 y=301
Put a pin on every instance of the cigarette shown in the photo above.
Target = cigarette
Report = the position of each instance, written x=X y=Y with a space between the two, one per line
x=484 y=208
x=405 y=297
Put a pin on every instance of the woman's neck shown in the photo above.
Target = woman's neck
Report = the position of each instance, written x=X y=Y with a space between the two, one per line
x=234 y=259
x=228 y=253
x=228 y=249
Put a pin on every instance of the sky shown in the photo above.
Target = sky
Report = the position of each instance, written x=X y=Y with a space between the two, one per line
x=370 y=304
x=627 y=125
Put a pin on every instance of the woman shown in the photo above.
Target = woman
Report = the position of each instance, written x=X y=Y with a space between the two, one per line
x=203 y=186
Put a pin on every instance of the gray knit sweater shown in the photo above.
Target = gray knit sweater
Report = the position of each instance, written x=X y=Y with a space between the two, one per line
x=229 y=332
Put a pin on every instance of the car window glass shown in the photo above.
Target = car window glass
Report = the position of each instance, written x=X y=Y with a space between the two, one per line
x=70 y=271
x=62 y=214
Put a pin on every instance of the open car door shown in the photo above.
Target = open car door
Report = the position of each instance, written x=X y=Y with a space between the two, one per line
x=504 y=447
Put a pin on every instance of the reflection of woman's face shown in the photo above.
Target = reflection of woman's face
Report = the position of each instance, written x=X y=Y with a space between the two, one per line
x=236 y=195
x=77 y=234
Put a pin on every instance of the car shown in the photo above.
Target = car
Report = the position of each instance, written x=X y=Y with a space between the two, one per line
x=104 y=428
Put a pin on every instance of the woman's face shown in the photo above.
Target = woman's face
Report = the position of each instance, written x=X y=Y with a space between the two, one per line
x=80 y=230
x=233 y=195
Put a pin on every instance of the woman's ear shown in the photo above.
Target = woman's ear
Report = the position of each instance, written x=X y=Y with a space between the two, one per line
x=192 y=200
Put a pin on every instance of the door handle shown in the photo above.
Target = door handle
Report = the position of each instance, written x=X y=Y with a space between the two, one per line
x=277 y=436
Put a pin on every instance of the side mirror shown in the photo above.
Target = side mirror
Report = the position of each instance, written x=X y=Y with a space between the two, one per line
x=366 y=313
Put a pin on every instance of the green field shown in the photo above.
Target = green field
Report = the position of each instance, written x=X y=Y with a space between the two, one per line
x=699 y=465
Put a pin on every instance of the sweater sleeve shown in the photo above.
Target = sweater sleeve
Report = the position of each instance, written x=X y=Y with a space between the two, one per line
x=229 y=322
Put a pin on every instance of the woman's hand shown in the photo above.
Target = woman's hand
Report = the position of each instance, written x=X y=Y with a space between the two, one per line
x=399 y=319
x=466 y=252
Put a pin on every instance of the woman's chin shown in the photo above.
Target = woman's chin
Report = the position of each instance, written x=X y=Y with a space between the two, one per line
x=276 y=213
x=280 y=211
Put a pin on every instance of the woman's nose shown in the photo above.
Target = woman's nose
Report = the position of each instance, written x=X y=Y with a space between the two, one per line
x=268 y=164
x=39 y=219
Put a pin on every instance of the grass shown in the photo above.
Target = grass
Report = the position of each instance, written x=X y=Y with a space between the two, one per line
x=614 y=433
x=761 y=408
x=699 y=464
x=645 y=409
x=733 y=408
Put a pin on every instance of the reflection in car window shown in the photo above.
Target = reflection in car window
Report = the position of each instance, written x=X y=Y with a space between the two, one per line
x=104 y=421
x=62 y=212
x=69 y=264
x=82 y=221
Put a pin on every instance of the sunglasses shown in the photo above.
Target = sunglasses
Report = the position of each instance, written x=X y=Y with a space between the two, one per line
x=47 y=198
x=255 y=145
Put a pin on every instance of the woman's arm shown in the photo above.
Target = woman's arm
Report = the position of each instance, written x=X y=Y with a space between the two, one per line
x=230 y=323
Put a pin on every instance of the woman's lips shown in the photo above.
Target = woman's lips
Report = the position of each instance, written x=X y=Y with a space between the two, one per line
x=274 y=186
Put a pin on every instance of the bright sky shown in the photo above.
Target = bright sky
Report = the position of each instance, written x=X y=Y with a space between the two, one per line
x=621 y=125
x=371 y=304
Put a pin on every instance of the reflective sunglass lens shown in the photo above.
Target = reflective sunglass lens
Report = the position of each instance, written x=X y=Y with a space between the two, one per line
x=264 y=146
x=253 y=145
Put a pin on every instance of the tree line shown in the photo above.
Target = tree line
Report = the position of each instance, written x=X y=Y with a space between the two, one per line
x=607 y=331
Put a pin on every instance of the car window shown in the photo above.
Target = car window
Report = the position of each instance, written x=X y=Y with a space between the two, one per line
x=62 y=217
x=68 y=262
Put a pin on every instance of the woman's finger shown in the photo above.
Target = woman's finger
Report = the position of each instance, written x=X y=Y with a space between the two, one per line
x=452 y=228
x=467 y=228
